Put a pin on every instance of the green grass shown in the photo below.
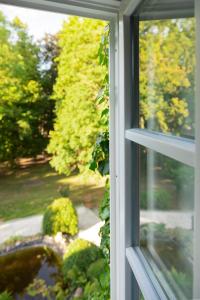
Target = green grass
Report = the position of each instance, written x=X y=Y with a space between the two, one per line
x=28 y=191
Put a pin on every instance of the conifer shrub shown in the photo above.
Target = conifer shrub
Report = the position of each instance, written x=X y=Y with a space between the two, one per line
x=77 y=259
x=60 y=216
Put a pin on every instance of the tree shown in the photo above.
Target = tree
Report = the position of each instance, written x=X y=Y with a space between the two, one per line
x=167 y=63
x=167 y=69
x=49 y=51
x=23 y=103
x=79 y=78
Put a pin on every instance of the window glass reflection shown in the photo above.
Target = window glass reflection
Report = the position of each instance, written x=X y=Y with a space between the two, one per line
x=166 y=221
x=167 y=71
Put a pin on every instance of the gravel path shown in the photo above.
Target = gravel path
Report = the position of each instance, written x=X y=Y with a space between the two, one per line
x=89 y=225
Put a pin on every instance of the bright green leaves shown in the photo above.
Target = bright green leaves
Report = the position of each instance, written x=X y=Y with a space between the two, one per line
x=25 y=109
x=100 y=163
x=104 y=214
x=167 y=68
x=79 y=78
x=100 y=154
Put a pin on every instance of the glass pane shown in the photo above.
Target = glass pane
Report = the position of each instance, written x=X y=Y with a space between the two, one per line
x=141 y=297
x=167 y=71
x=166 y=221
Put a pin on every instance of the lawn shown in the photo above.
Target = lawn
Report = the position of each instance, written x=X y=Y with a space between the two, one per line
x=27 y=191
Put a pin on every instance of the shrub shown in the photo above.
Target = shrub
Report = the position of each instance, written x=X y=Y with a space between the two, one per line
x=96 y=268
x=162 y=199
x=60 y=216
x=98 y=288
x=6 y=296
x=79 y=256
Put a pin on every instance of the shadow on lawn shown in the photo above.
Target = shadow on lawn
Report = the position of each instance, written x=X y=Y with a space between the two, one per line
x=27 y=191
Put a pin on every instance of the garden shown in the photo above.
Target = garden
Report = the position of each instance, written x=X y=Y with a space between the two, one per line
x=54 y=156
x=55 y=264
x=54 y=159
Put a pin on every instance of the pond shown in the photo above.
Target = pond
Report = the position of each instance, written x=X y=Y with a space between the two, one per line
x=20 y=268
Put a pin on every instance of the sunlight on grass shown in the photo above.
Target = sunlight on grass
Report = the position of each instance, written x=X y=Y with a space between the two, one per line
x=28 y=192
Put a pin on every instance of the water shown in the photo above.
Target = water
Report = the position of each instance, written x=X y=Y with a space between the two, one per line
x=20 y=268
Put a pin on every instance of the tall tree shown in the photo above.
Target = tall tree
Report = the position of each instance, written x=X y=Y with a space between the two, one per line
x=49 y=51
x=79 y=78
x=23 y=104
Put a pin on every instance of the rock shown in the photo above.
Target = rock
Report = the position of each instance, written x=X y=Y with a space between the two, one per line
x=78 y=293
x=58 y=238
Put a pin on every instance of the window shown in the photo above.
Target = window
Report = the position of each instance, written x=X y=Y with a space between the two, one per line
x=166 y=221
x=162 y=136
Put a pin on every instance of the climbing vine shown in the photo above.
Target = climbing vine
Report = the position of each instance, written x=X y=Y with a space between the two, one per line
x=100 y=155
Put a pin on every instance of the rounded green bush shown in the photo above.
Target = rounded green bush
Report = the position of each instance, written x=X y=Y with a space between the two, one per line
x=96 y=268
x=60 y=216
x=79 y=256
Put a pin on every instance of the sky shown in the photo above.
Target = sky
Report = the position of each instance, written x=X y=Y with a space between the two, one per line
x=39 y=22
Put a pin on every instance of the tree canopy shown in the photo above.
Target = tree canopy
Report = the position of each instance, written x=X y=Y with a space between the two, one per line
x=51 y=86
x=79 y=79
x=167 y=69
x=24 y=117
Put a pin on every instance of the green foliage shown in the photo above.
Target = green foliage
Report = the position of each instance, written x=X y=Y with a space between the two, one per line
x=93 y=281
x=100 y=154
x=159 y=232
x=104 y=214
x=99 y=289
x=77 y=260
x=177 y=236
x=183 y=280
x=167 y=63
x=80 y=254
x=60 y=216
x=24 y=107
x=39 y=288
x=6 y=296
x=99 y=286
x=17 y=203
x=49 y=51
x=79 y=78
x=96 y=268
x=162 y=199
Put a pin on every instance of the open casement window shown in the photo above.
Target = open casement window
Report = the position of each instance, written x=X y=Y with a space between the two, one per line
x=162 y=152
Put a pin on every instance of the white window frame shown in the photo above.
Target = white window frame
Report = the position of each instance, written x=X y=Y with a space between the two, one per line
x=134 y=273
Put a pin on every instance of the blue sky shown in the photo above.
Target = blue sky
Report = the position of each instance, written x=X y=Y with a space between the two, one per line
x=39 y=22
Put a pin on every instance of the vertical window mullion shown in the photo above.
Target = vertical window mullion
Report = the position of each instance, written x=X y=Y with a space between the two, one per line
x=135 y=124
x=196 y=285
x=134 y=148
